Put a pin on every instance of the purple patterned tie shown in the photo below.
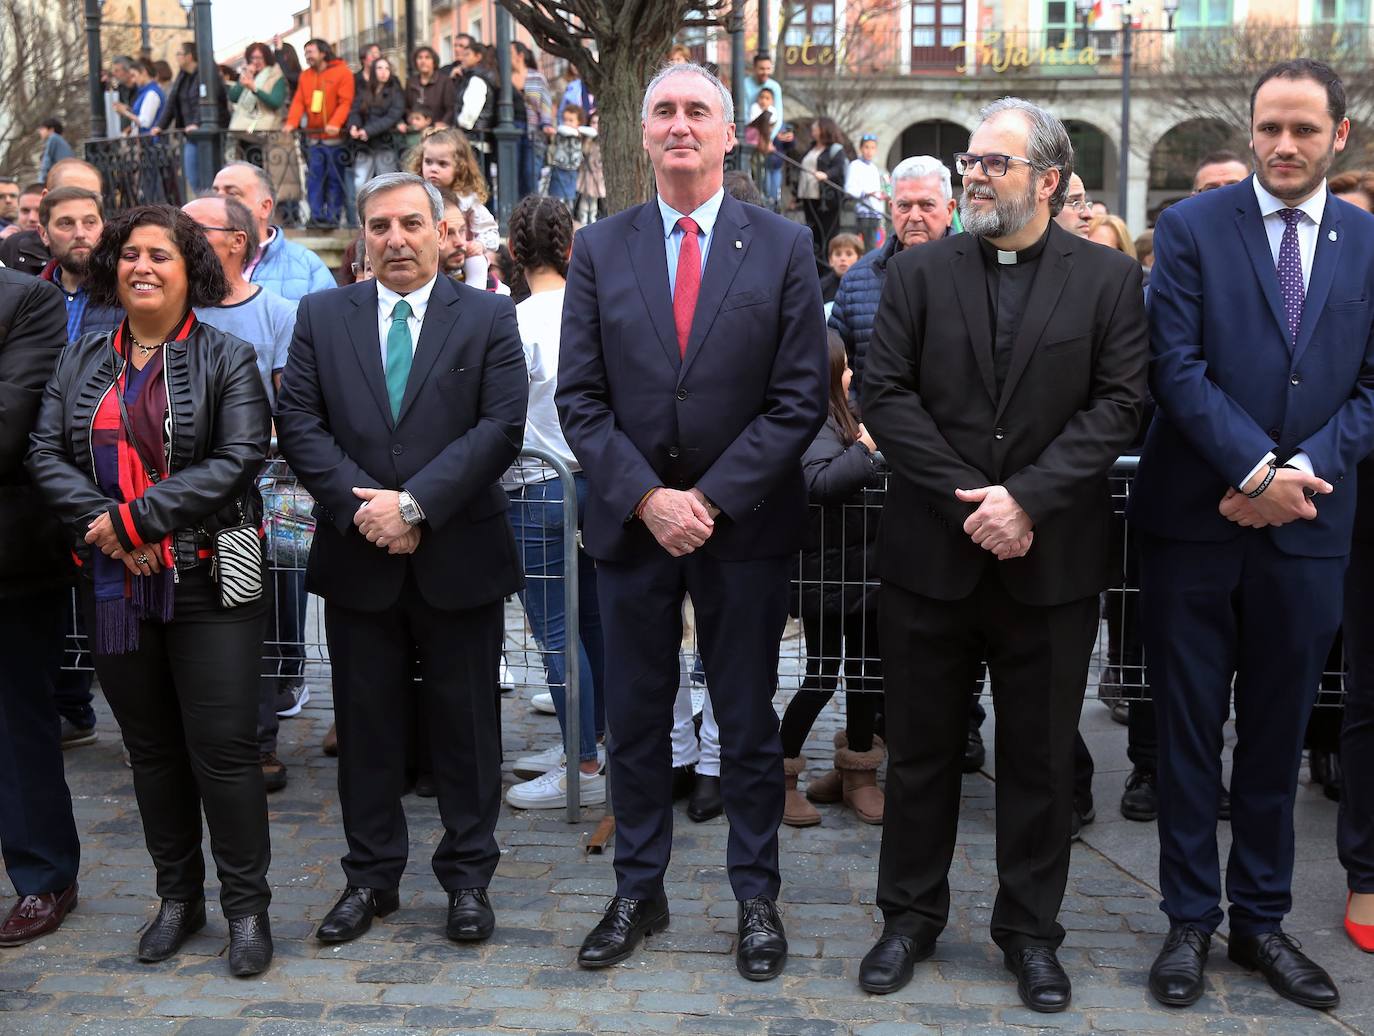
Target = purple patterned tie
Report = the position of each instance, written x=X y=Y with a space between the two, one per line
x=1290 y=272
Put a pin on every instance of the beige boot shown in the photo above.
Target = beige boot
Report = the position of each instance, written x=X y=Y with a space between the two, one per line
x=796 y=811
x=859 y=772
x=829 y=788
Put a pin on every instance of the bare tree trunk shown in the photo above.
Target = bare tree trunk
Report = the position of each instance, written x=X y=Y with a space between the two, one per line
x=624 y=74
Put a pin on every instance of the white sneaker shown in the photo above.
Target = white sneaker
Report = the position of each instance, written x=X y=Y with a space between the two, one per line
x=507 y=677
x=551 y=791
x=290 y=700
x=543 y=703
x=531 y=766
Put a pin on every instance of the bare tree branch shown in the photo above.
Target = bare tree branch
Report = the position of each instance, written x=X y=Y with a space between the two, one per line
x=42 y=74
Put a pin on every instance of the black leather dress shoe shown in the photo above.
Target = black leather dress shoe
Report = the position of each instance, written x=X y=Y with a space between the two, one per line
x=1294 y=976
x=250 y=945
x=1040 y=981
x=762 y=949
x=616 y=935
x=1335 y=777
x=705 y=803
x=425 y=787
x=470 y=917
x=353 y=913
x=684 y=780
x=887 y=967
x=975 y=755
x=1140 y=800
x=1176 y=975
x=176 y=920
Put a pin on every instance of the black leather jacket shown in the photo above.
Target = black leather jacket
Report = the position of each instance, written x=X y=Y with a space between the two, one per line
x=219 y=425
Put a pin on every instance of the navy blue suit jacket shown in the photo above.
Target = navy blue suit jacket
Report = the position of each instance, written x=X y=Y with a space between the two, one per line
x=733 y=418
x=1230 y=387
x=461 y=423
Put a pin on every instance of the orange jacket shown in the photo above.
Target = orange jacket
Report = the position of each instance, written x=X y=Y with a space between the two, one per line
x=324 y=98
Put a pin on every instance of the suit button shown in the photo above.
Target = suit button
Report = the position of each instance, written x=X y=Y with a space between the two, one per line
x=1295 y=380
x=1274 y=434
x=397 y=450
x=673 y=451
x=998 y=433
x=681 y=393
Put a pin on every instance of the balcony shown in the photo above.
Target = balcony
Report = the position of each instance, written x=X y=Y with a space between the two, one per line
x=1068 y=51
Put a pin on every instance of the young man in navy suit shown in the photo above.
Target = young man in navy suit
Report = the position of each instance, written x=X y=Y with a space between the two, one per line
x=1262 y=343
x=692 y=377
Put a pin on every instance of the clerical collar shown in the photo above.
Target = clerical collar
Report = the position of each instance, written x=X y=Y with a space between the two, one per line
x=993 y=254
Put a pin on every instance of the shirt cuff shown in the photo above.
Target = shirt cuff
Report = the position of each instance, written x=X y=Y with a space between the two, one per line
x=1302 y=462
x=1267 y=459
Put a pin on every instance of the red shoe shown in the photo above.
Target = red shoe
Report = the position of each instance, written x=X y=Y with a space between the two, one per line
x=1362 y=935
x=38 y=915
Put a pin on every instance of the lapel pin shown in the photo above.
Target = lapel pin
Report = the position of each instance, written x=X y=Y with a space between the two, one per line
x=739 y=244
x=1332 y=235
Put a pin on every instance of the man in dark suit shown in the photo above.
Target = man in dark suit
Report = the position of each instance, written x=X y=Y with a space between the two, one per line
x=402 y=403
x=692 y=377
x=37 y=832
x=1262 y=338
x=1006 y=372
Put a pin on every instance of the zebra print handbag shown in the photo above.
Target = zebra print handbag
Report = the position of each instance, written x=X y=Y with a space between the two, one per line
x=236 y=566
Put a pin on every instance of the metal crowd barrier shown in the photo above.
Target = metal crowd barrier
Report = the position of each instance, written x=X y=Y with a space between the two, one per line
x=295 y=644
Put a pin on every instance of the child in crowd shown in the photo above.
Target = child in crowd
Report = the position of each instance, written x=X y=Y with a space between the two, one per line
x=837 y=601
x=867 y=183
x=565 y=156
x=591 y=178
x=418 y=119
x=845 y=250
x=445 y=159
x=775 y=164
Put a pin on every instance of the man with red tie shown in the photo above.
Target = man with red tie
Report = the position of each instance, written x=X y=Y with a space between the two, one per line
x=692 y=377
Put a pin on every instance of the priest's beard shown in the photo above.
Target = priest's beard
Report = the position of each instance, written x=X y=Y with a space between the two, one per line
x=1009 y=214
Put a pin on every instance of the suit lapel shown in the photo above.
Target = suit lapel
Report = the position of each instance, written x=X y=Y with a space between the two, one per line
x=440 y=316
x=1326 y=260
x=970 y=285
x=362 y=332
x=1050 y=277
x=1250 y=225
x=722 y=264
x=649 y=260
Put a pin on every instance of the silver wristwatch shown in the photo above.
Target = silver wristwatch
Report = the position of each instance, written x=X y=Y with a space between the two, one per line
x=410 y=510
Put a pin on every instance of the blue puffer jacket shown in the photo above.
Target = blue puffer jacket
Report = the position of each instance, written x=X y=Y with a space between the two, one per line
x=291 y=270
x=856 y=303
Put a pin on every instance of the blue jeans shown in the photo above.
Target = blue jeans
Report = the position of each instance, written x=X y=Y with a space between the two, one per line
x=772 y=185
x=563 y=184
x=536 y=515
x=190 y=165
x=324 y=182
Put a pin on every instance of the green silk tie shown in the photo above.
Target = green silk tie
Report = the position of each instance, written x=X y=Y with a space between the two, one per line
x=399 y=353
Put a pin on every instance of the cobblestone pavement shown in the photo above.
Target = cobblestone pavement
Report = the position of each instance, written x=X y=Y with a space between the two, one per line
x=404 y=975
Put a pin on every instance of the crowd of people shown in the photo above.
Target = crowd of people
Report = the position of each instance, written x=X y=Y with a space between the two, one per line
x=913 y=458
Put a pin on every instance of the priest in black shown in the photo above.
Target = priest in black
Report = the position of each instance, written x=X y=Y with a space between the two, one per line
x=1005 y=374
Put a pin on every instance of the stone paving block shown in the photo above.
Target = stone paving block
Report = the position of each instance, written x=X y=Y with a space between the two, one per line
x=679 y=1003
x=392 y=974
x=636 y=1023
x=22 y=1000
x=90 y=1003
x=424 y=995
x=197 y=1007
x=122 y=1027
x=212 y=1027
x=896 y=1029
x=298 y=1009
x=362 y=1014
x=431 y=1017
x=553 y=1021
x=72 y=984
x=804 y=1027
x=1066 y=1022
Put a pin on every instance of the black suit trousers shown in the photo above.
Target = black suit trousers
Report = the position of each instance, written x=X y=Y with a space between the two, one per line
x=1038 y=661
x=1355 y=827
x=187 y=704
x=373 y=656
x=741 y=607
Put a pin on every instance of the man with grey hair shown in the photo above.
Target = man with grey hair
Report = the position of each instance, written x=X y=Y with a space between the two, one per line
x=289 y=269
x=922 y=209
x=402 y=403
x=1001 y=413
x=692 y=448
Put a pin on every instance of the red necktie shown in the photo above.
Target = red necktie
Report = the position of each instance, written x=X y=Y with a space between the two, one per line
x=688 y=282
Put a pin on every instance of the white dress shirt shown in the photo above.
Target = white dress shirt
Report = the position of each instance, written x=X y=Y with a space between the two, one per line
x=704 y=216
x=1308 y=227
x=386 y=302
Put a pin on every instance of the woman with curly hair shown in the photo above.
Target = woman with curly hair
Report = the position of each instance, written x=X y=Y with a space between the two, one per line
x=446 y=159
x=148 y=447
x=541 y=232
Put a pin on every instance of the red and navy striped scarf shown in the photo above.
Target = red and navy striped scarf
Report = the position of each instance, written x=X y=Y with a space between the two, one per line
x=124 y=600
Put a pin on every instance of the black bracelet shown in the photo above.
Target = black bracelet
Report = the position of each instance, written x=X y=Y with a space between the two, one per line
x=1265 y=484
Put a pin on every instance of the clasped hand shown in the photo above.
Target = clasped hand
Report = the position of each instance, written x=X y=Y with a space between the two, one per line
x=144 y=561
x=999 y=525
x=680 y=521
x=1287 y=498
x=379 y=519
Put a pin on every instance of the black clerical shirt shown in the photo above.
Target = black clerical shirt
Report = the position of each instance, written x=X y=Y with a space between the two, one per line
x=1009 y=278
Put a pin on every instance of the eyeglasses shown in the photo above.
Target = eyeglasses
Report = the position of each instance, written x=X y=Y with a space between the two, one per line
x=226 y=230
x=993 y=165
x=1081 y=204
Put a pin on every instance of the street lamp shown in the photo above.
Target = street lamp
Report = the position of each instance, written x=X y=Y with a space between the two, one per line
x=1124 y=157
x=1085 y=10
